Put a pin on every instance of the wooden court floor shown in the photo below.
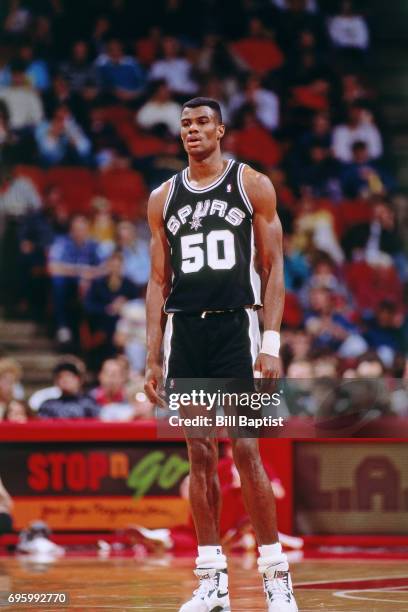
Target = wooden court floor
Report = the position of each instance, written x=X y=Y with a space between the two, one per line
x=162 y=584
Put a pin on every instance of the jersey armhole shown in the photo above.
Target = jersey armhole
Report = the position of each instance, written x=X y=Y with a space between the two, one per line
x=242 y=188
x=169 y=196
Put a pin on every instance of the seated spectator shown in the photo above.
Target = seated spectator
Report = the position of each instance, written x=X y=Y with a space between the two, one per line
x=384 y=330
x=18 y=195
x=258 y=50
x=23 y=102
x=174 y=68
x=321 y=172
x=18 y=198
x=265 y=102
x=78 y=71
x=36 y=71
x=296 y=266
x=147 y=48
x=61 y=140
x=112 y=383
x=72 y=403
x=109 y=150
x=130 y=334
x=120 y=75
x=10 y=375
x=298 y=18
x=324 y=274
x=103 y=226
x=160 y=109
x=216 y=59
x=363 y=177
x=376 y=242
x=17 y=411
x=354 y=90
x=360 y=127
x=319 y=134
x=106 y=297
x=331 y=328
x=253 y=143
x=6 y=508
x=54 y=392
x=349 y=30
x=137 y=406
x=59 y=94
x=315 y=227
x=37 y=232
x=73 y=263
x=17 y=146
x=135 y=251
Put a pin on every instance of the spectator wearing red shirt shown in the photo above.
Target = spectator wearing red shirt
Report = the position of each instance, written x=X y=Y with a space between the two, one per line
x=111 y=389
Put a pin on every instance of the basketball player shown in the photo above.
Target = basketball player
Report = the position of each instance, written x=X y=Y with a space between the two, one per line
x=207 y=224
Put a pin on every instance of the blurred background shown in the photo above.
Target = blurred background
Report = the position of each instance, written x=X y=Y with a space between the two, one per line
x=313 y=93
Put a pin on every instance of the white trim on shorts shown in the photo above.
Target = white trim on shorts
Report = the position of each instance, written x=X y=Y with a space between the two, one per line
x=254 y=334
x=168 y=333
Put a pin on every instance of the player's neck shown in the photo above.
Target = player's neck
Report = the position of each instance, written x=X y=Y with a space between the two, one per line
x=206 y=169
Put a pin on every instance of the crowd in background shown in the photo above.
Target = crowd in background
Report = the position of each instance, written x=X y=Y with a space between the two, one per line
x=90 y=99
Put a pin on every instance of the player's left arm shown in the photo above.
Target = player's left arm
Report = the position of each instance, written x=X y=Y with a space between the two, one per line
x=269 y=260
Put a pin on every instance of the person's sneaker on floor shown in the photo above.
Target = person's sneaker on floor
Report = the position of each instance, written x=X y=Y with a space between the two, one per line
x=212 y=594
x=279 y=591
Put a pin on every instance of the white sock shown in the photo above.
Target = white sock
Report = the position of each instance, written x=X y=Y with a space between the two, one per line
x=271 y=554
x=211 y=557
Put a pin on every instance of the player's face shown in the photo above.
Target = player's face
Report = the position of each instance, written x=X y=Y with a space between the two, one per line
x=200 y=131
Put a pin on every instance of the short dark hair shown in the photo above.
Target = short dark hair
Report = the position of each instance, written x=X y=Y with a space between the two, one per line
x=201 y=101
x=66 y=366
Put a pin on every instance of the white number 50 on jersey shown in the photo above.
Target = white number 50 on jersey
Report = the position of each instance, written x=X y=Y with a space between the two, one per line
x=192 y=253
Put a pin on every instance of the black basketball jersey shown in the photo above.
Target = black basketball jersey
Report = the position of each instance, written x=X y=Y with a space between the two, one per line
x=211 y=240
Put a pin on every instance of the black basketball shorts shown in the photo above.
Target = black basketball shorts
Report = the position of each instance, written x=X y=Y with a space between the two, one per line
x=217 y=345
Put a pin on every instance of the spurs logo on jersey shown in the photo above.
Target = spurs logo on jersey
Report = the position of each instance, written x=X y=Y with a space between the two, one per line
x=211 y=242
x=233 y=216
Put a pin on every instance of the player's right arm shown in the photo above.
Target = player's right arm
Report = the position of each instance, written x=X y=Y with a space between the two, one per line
x=158 y=289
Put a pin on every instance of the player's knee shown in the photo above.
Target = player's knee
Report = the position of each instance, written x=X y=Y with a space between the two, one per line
x=201 y=453
x=245 y=452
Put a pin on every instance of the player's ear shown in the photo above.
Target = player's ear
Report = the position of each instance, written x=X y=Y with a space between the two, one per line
x=220 y=130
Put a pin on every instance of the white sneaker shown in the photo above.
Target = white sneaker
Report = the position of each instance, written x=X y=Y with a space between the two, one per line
x=212 y=594
x=279 y=592
x=40 y=545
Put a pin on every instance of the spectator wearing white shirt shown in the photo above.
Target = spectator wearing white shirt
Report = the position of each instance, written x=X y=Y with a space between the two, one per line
x=265 y=102
x=160 y=109
x=349 y=30
x=23 y=102
x=360 y=127
x=174 y=69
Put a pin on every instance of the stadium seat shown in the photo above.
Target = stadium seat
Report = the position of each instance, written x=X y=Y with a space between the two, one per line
x=117 y=115
x=124 y=188
x=35 y=174
x=370 y=285
x=350 y=213
x=77 y=185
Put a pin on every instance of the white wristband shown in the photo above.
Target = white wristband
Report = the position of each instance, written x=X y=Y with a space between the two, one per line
x=271 y=343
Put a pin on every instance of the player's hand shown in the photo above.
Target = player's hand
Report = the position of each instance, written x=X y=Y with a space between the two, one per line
x=152 y=378
x=267 y=366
